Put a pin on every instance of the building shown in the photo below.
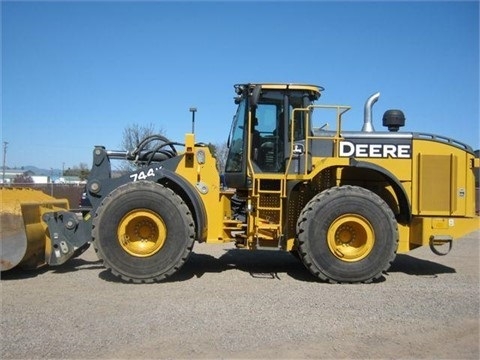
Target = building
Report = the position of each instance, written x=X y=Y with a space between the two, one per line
x=9 y=175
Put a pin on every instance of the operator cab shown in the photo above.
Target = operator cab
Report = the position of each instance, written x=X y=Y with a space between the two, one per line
x=262 y=128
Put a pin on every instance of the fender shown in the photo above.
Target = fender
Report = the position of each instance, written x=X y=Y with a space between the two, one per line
x=191 y=197
x=405 y=207
x=100 y=184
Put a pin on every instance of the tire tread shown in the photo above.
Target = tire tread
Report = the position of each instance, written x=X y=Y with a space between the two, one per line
x=187 y=250
x=307 y=214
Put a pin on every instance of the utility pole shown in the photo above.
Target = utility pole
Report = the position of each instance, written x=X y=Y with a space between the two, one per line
x=4 y=161
x=193 y=110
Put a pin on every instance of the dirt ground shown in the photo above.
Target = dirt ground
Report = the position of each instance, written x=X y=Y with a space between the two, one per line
x=234 y=304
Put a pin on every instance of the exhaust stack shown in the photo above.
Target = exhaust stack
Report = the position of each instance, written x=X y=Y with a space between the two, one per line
x=367 y=113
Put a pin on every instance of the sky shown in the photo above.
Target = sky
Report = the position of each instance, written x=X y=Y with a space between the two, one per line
x=76 y=74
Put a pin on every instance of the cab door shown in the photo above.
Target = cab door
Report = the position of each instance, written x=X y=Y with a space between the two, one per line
x=267 y=145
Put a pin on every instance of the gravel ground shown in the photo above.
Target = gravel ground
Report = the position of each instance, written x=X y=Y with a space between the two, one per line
x=228 y=303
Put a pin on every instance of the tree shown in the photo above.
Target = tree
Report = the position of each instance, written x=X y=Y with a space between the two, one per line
x=221 y=152
x=81 y=170
x=23 y=179
x=133 y=135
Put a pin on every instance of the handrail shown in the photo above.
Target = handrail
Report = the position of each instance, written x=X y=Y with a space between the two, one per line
x=443 y=139
x=340 y=110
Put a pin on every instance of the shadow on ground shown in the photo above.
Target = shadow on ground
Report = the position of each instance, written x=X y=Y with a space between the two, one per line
x=413 y=266
x=259 y=264
x=71 y=265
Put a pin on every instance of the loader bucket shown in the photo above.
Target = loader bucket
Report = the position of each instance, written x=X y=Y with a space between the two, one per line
x=23 y=235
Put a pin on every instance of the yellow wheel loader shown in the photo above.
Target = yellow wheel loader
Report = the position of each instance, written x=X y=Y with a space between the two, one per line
x=344 y=202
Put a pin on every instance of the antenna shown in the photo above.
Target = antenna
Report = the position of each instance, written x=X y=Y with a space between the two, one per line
x=193 y=110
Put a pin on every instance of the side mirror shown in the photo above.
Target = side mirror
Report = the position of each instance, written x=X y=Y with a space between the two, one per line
x=255 y=96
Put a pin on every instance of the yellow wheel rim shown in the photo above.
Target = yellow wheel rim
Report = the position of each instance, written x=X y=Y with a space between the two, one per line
x=351 y=238
x=141 y=233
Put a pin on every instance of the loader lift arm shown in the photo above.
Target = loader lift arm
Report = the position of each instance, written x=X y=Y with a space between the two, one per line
x=69 y=233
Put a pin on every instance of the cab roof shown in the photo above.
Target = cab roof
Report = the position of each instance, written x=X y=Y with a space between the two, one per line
x=285 y=86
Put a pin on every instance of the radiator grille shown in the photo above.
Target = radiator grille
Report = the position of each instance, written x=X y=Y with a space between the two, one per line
x=436 y=183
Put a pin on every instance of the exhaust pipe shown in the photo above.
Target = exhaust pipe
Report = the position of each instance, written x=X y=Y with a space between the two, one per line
x=367 y=113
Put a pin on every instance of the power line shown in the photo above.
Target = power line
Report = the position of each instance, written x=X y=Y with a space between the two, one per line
x=5 y=143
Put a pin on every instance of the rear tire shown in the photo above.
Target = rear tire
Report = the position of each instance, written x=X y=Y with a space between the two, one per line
x=143 y=232
x=347 y=235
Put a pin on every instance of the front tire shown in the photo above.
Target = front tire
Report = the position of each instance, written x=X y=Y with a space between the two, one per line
x=347 y=235
x=143 y=232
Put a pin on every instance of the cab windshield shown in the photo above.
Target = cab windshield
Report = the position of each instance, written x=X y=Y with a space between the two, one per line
x=236 y=145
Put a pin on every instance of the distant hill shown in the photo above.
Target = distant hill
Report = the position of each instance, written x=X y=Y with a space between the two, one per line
x=44 y=172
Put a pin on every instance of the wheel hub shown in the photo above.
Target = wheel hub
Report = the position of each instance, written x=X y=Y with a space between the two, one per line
x=350 y=238
x=345 y=235
x=141 y=233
